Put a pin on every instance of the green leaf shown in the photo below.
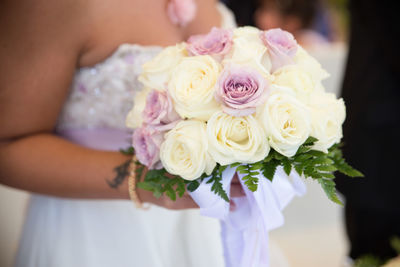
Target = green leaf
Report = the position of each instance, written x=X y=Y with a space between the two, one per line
x=369 y=261
x=287 y=166
x=316 y=153
x=269 y=168
x=302 y=149
x=346 y=169
x=322 y=161
x=330 y=190
x=215 y=179
x=303 y=157
x=193 y=185
x=251 y=182
x=170 y=192
x=298 y=169
x=336 y=155
x=219 y=190
x=145 y=186
x=233 y=165
x=127 y=151
x=327 y=168
x=310 y=141
x=180 y=188
x=222 y=168
x=157 y=194
x=241 y=168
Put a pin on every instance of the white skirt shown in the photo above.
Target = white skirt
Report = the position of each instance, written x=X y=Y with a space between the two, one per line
x=95 y=233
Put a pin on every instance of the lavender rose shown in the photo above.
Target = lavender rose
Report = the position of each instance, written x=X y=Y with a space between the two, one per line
x=147 y=143
x=159 y=112
x=241 y=90
x=216 y=42
x=282 y=47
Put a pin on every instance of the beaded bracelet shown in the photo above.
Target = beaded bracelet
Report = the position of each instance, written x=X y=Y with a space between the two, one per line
x=132 y=185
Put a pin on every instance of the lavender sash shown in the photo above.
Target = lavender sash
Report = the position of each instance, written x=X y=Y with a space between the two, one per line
x=101 y=139
x=245 y=230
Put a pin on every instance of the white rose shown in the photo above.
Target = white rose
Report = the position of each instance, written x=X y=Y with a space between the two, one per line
x=327 y=117
x=251 y=34
x=294 y=77
x=135 y=118
x=310 y=65
x=192 y=87
x=248 y=49
x=286 y=121
x=157 y=72
x=184 y=151
x=236 y=139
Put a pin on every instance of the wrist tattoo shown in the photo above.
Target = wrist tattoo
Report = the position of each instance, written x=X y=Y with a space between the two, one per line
x=122 y=172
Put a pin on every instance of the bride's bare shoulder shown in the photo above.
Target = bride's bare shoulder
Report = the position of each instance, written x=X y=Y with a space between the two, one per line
x=97 y=27
x=34 y=24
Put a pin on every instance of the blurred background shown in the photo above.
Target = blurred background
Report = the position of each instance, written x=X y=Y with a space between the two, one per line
x=313 y=234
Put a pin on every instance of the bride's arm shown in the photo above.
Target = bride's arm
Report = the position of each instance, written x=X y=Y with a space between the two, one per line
x=37 y=65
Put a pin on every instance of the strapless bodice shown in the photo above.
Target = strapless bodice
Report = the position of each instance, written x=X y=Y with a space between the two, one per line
x=101 y=95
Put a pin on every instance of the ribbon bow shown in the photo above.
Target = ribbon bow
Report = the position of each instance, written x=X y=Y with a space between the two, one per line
x=245 y=230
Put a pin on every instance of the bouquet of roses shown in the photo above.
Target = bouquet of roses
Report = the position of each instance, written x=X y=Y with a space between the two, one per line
x=245 y=99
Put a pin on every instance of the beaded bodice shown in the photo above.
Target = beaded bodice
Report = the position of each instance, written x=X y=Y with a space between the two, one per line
x=101 y=96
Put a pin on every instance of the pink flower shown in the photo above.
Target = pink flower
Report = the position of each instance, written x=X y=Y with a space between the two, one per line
x=282 y=47
x=241 y=90
x=181 y=12
x=146 y=143
x=217 y=41
x=159 y=112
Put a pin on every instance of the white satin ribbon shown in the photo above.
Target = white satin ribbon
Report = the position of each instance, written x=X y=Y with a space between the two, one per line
x=245 y=230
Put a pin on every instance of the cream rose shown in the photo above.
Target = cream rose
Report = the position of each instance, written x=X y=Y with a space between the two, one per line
x=249 y=50
x=192 y=87
x=135 y=118
x=157 y=72
x=184 y=151
x=236 y=139
x=310 y=65
x=327 y=117
x=295 y=78
x=286 y=121
x=251 y=34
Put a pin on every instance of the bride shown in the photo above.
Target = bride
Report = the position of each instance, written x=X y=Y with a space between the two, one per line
x=68 y=74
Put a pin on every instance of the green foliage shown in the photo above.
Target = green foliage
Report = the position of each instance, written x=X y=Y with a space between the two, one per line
x=250 y=172
x=128 y=151
x=159 y=183
x=368 y=261
x=215 y=179
x=375 y=261
x=310 y=163
x=337 y=156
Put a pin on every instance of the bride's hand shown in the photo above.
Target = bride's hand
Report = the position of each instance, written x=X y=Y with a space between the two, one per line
x=184 y=202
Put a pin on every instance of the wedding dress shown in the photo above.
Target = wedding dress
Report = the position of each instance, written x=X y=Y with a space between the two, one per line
x=61 y=232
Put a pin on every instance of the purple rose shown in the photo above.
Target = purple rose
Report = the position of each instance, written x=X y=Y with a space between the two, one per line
x=146 y=143
x=282 y=47
x=159 y=112
x=216 y=42
x=241 y=90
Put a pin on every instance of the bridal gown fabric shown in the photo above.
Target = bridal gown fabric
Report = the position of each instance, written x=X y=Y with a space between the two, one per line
x=61 y=232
